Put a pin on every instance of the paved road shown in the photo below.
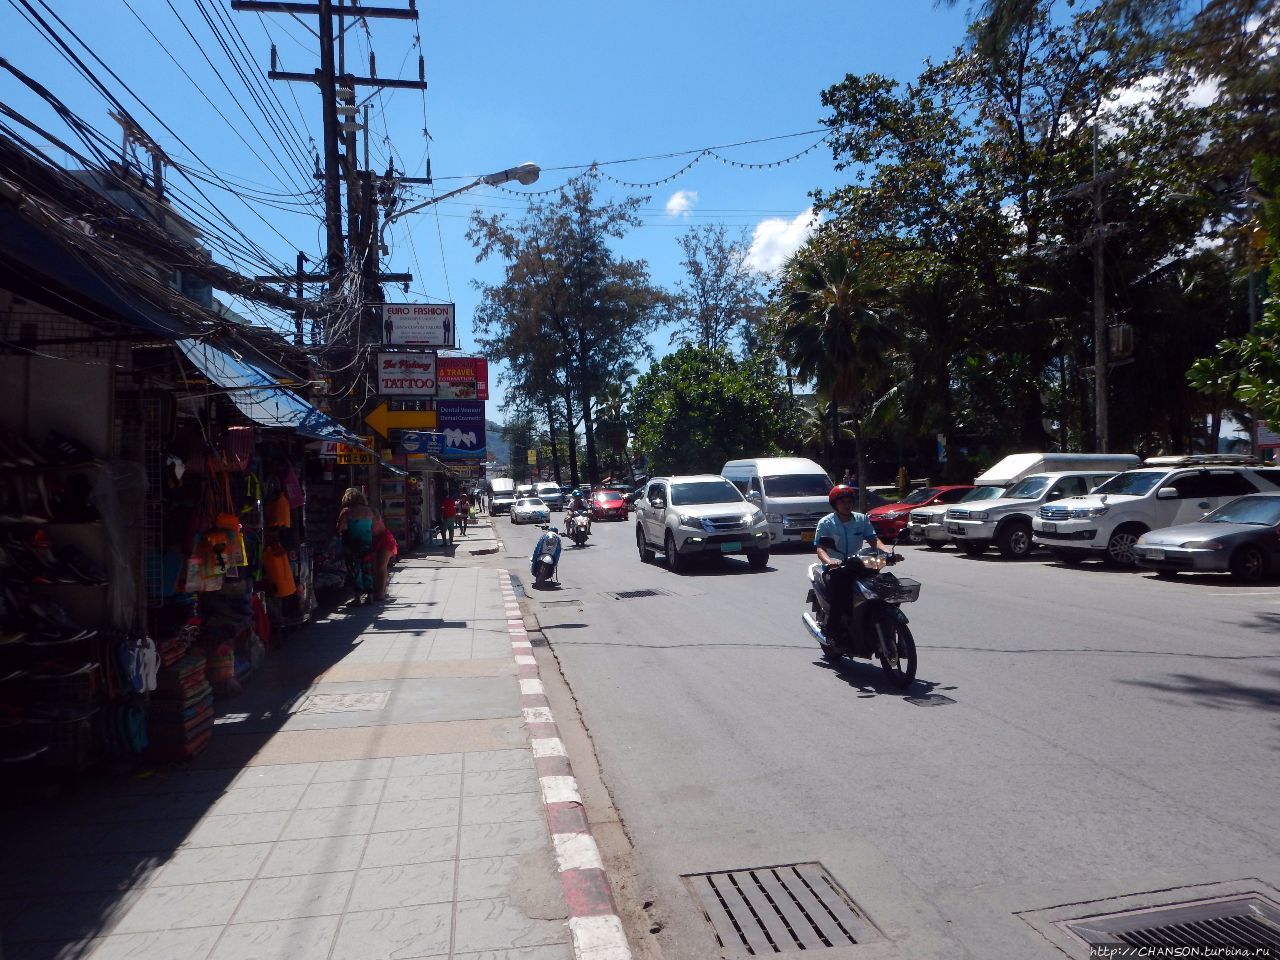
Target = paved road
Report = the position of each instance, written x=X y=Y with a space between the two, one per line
x=1111 y=735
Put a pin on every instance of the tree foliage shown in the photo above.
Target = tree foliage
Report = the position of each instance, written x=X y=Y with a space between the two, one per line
x=720 y=292
x=698 y=407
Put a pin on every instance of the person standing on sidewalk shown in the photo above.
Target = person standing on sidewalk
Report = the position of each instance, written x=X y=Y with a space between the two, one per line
x=449 y=517
x=359 y=526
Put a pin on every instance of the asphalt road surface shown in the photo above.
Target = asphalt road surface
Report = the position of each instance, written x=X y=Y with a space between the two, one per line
x=1113 y=741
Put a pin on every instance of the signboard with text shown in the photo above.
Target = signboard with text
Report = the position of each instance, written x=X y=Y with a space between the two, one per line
x=351 y=456
x=419 y=325
x=461 y=423
x=407 y=374
x=462 y=378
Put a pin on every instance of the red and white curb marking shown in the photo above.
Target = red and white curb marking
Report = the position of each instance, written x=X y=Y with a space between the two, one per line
x=593 y=916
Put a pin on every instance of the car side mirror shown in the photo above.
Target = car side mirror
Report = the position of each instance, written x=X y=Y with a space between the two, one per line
x=658 y=504
x=754 y=496
x=1166 y=493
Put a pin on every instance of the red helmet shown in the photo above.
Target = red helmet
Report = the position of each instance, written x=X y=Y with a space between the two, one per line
x=841 y=490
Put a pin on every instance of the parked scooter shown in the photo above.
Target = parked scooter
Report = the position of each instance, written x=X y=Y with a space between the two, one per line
x=545 y=563
x=876 y=627
x=579 y=528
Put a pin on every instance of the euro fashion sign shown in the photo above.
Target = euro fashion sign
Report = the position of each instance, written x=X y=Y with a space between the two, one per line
x=406 y=374
x=419 y=325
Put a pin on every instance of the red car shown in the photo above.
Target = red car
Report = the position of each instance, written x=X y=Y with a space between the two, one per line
x=608 y=504
x=890 y=519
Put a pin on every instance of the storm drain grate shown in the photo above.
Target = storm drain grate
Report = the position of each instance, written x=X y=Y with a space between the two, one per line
x=633 y=594
x=764 y=910
x=1237 y=922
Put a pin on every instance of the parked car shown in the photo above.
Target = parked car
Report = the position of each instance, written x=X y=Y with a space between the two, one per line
x=890 y=519
x=1242 y=538
x=530 y=510
x=682 y=516
x=928 y=525
x=607 y=504
x=1169 y=491
x=1006 y=520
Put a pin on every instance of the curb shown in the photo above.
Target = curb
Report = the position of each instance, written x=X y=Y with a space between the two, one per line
x=594 y=922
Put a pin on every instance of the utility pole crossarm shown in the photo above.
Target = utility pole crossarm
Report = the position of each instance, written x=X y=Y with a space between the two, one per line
x=316 y=77
x=337 y=9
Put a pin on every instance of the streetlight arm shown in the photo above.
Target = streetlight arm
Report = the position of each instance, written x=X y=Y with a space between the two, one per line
x=526 y=174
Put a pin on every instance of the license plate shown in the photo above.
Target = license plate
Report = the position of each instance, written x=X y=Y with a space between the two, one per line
x=955 y=528
x=1153 y=554
x=730 y=547
x=806 y=536
x=1049 y=527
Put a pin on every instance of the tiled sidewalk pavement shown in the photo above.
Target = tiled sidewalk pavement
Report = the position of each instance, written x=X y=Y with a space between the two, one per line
x=372 y=795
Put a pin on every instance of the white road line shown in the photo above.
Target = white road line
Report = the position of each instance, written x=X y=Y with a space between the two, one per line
x=538 y=715
x=532 y=686
x=577 y=851
x=526 y=662
x=599 y=938
x=549 y=747
x=559 y=789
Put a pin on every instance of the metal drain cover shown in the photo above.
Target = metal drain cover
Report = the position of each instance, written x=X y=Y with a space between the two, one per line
x=344 y=702
x=1248 y=921
x=633 y=594
x=779 y=909
x=932 y=700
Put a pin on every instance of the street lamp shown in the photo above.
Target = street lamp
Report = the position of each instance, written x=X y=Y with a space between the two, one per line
x=525 y=174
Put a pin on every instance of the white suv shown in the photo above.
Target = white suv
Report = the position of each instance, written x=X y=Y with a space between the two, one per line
x=1006 y=520
x=1171 y=490
x=682 y=516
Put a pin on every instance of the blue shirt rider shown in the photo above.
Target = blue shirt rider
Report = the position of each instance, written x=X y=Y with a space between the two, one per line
x=841 y=534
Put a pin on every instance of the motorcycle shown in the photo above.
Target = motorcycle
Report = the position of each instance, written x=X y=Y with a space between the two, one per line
x=545 y=564
x=579 y=528
x=875 y=627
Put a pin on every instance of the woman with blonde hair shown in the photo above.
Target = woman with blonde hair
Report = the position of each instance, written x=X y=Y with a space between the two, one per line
x=358 y=526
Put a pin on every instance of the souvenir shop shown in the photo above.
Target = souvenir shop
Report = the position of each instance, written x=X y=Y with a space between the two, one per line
x=154 y=521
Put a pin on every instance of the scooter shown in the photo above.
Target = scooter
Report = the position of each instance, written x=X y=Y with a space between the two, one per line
x=578 y=529
x=876 y=628
x=545 y=564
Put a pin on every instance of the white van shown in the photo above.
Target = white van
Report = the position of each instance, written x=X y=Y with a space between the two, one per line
x=1018 y=465
x=502 y=494
x=792 y=492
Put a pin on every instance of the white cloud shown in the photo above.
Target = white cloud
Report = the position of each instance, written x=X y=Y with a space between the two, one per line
x=776 y=239
x=681 y=203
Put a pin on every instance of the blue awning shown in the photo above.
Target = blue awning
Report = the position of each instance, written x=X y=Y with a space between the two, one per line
x=257 y=395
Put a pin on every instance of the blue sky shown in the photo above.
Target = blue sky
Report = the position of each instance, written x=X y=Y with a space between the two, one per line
x=560 y=84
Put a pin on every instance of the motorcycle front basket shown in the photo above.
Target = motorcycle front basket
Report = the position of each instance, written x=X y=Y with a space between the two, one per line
x=907 y=590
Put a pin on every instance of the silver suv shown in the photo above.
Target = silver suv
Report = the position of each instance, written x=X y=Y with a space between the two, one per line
x=682 y=516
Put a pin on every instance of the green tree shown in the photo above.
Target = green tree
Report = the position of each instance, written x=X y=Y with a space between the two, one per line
x=830 y=317
x=720 y=292
x=699 y=407
x=568 y=310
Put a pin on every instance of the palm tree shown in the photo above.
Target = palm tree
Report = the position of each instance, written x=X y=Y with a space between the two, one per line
x=831 y=329
x=614 y=426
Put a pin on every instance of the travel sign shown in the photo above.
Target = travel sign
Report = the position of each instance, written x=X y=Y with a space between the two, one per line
x=419 y=325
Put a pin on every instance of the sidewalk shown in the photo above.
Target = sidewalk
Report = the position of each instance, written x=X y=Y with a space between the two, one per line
x=372 y=794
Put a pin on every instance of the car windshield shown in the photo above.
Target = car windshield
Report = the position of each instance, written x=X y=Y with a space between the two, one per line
x=920 y=496
x=1027 y=489
x=607 y=495
x=797 y=485
x=982 y=493
x=692 y=492
x=1263 y=511
x=1133 y=484
x=532 y=502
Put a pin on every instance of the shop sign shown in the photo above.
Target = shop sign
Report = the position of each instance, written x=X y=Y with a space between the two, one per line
x=352 y=456
x=462 y=378
x=406 y=374
x=419 y=325
x=461 y=422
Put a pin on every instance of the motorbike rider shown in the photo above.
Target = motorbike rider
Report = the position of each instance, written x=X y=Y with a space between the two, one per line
x=578 y=505
x=841 y=534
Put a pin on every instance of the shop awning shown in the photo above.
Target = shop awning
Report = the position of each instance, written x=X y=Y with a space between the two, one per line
x=257 y=395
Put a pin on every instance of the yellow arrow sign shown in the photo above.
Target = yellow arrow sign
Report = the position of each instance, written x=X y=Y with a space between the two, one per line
x=383 y=420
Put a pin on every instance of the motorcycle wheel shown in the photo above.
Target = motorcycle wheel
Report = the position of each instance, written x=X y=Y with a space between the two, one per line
x=900 y=669
x=541 y=576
